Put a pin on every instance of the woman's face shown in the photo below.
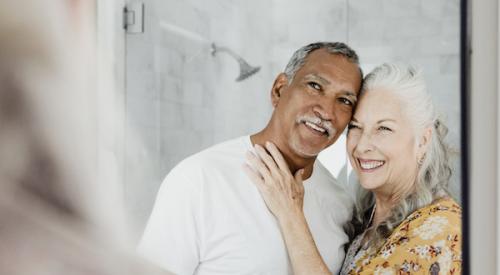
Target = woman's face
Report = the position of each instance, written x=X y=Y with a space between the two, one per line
x=381 y=143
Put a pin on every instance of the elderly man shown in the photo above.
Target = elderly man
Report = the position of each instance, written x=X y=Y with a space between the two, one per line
x=210 y=219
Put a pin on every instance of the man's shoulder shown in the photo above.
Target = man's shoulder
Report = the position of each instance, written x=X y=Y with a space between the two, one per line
x=214 y=157
x=320 y=169
x=325 y=178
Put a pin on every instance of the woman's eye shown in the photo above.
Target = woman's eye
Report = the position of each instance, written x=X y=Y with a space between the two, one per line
x=352 y=126
x=314 y=85
x=383 y=128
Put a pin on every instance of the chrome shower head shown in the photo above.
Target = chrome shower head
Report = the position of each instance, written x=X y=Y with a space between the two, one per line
x=246 y=70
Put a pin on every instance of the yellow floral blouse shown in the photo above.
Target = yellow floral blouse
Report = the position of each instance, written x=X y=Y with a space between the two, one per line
x=426 y=242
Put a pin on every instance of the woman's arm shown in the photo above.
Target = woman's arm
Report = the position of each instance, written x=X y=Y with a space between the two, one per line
x=283 y=194
x=302 y=250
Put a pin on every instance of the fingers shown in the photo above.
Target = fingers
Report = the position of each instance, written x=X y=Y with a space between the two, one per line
x=298 y=175
x=266 y=158
x=278 y=175
x=272 y=169
x=259 y=167
x=254 y=177
x=277 y=156
x=298 y=178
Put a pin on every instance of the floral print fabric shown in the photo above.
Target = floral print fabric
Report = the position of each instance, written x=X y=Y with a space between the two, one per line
x=426 y=242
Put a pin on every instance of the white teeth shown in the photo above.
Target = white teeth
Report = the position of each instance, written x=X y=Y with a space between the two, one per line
x=315 y=127
x=371 y=164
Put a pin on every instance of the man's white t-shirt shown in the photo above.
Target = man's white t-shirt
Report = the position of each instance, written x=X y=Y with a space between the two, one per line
x=209 y=218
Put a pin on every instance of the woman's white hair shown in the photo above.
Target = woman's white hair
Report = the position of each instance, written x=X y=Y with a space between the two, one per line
x=434 y=172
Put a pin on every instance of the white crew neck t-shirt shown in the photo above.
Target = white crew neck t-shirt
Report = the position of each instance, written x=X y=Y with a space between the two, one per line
x=209 y=218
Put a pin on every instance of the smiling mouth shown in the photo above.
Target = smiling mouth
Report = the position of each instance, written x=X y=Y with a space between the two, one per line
x=315 y=128
x=370 y=165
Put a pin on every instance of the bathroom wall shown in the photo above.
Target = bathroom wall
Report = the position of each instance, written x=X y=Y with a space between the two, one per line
x=180 y=99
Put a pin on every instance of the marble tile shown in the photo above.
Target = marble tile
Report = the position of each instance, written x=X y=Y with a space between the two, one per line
x=401 y=8
x=400 y=27
x=142 y=58
x=171 y=88
x=449 y=64
x=142 y=112
x=142 y=85
x=438 y=45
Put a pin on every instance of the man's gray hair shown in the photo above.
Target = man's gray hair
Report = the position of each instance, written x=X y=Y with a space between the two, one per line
x=299 y=57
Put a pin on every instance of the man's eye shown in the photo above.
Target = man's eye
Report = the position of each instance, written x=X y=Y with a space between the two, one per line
x=346 y=101
x=314 y=85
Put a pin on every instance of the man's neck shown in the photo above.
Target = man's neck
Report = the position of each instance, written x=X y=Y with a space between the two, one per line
x=294 y=161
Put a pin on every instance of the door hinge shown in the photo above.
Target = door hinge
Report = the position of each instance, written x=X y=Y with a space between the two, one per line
x=133 y=18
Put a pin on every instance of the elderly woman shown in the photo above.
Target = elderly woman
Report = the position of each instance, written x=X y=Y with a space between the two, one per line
x=404 y=219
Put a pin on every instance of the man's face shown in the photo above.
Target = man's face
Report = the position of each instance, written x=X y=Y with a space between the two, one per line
x=314 y=109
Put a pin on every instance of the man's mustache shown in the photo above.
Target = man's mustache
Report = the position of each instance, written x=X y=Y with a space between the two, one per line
x=325 y=124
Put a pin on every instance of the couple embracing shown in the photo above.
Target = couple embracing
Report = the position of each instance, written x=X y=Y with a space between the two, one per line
x=263 y=204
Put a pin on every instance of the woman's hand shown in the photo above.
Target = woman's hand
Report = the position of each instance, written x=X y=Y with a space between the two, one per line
x=282 y=192
x=284 y=196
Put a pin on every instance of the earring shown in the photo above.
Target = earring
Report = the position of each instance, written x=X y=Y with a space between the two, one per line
x=420 y=161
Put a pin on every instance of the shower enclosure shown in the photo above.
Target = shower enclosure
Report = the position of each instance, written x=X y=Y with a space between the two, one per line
x=181 y=95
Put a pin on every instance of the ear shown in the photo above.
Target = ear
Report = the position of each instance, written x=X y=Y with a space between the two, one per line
x=424 y=141
x=279 y=84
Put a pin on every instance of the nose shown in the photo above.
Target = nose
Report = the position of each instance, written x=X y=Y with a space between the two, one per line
x=324 y=111
x=364 y=143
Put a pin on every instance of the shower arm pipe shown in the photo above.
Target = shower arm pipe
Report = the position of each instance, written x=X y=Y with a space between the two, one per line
x=187 y=34
x=216 y=49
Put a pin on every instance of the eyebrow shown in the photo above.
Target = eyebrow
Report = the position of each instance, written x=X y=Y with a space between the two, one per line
x=387 y=119
x=318 y=78
x=351 y=94
x=325 y=81
x=380 y=121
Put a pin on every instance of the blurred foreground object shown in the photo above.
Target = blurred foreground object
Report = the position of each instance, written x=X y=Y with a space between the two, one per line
x=55 y=217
